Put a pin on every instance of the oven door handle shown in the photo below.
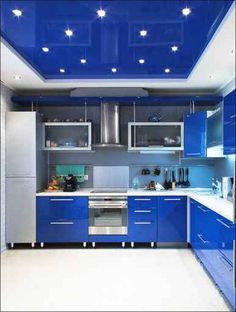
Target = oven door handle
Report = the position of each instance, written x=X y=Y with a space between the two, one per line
x=111 y=206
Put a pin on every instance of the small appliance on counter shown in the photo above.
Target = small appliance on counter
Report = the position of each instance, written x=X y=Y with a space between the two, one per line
x=227 y=188
x=71 y=183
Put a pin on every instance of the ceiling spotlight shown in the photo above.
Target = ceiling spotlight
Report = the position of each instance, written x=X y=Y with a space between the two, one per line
x=141 y=61
x=174 y=48
x=143 y=33
x=69 y=32
x=101 y=13
x=17 y=12
x=167 y=70
x=45 y=49
x=186 y=11
x=114 y=70
x=17 y=77
x=62 y=70
x=212 y=76
x=83 y=61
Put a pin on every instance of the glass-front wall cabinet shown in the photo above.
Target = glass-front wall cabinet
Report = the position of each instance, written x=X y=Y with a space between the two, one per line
x=67 y=136
x=155 y=136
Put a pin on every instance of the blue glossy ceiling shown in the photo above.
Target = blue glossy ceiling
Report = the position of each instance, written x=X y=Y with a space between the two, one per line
x=113 y=41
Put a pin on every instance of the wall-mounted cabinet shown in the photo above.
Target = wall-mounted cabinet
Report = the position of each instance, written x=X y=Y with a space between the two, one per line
x=230 y=123
x=67 y=136
x=164 y=136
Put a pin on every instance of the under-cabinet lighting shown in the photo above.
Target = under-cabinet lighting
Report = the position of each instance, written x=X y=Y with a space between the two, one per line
x=62 y=70
x=167 y=70
x=186 y=11
x=83 y=61
x=141 y=61
x=45 y=49
x=114 y=70
x=174 y=48
x=69 y=32
x=143 y=33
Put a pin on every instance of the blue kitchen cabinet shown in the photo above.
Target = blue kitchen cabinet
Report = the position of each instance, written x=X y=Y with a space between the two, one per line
x=229 y=123
x=212 y=241
x=62 y=219
x=172 y=219
x=142 y=219
x=195 y=126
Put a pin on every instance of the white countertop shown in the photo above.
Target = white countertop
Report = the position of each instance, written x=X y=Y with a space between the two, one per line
x=213 y=202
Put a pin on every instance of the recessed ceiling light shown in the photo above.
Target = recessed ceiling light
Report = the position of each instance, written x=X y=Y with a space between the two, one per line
x=17 y=12
x=212 y=76
x=17 y=77
x=45 y=49
x=69 y=32
x=62 y=70
x=141 y=61
x=174 y=48
x=101 y=13
x=186 y=11
x=167 y=70
x=114 y=70
x=143 y=33
x=83 y=61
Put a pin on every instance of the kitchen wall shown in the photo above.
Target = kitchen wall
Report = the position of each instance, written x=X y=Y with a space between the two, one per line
x=6 y=105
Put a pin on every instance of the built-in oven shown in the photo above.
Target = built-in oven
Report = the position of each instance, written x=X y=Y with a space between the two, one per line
x=108 y=215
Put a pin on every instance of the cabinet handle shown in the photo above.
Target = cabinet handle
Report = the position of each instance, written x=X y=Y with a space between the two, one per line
x=61 y=223
x=143 y=199
x=62 y=199
x=144 y=211
x=142 y=223
x=233 y=116
x=193 y=154
x=203 y=210
x=203 y=240
x=172 y=199
x=225 y=263
x=223 y=223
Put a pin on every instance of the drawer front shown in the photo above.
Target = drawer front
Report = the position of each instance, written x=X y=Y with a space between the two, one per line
x=142 y=230
x=143 y=202
x=143 y=214
x=51 y=231
x=172 y=200
x=60 y=207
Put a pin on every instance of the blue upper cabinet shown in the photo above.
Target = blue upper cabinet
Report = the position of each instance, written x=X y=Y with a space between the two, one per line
x=229 y=123
x=195 y=126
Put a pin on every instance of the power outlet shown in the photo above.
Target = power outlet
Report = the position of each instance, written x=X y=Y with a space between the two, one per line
x=85 y=177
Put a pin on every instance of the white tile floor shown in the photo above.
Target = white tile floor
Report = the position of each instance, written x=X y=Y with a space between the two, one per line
x=106 y=279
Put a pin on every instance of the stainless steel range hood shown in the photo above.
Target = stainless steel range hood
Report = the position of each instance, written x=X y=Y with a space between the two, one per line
x=110 y=125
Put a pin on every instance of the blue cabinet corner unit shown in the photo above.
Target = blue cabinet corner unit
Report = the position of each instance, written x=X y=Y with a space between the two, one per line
x=195 y=130
x=212 y=239
x=62 y=219
x=230 y=123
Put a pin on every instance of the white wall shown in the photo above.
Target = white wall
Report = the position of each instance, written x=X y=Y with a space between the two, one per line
x=6 y=105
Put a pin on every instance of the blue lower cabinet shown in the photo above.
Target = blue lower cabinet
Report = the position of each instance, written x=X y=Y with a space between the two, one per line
x=172 y=219
x=62 y=219
x=142 y=216
x=212 y=241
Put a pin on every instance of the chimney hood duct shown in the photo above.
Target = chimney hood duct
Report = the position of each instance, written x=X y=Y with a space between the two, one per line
x=110 y=126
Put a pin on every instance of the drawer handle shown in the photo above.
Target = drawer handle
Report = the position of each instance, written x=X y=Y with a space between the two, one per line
x=192 y=154
x=172 y=199
x=203 y=210
x=144 y=211
x=61 y=223
x=143 y=199
x=223 y=223
x=62 y=199
x=225 y=263
x=201 y=238
x=142 y=223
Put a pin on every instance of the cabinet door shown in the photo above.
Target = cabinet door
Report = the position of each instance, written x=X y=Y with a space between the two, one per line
x=21 y=144
x=172 y=219
x=20 y=210
x=229 y=123
x=195 y=134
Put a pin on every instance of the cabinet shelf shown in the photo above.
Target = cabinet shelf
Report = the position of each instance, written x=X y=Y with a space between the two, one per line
x=67 y=136
x=155 y=136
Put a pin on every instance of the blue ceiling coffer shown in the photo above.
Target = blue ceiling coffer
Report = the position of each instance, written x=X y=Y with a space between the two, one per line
x=113 y=39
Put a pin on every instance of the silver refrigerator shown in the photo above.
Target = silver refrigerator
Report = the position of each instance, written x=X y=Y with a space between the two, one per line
x=25 y=174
